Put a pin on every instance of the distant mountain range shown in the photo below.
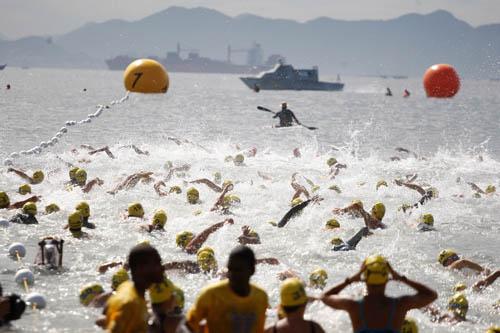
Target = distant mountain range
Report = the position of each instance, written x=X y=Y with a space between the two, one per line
x=406 y=45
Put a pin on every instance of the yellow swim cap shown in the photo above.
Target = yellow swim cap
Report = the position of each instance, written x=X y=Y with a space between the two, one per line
x=135 y=210
x=292 y=293
x=490 y=189
x=81 y=177
x=88 y=293
x=4 y=200
x=159 y=218
x=72 y=173
x=182 y=239
x=296 y=201
x=52 y=208
x=331 y=161
x=357 y=202
x=227 y=182
x=337 y=241
x=206 y=259
x=84 y=208
x=315 y=188
x=161 y=292
x=377 y=272
x=381 y=183
x=459 y=287
x=24 y=189
x=118 y=278
x=409 y=326
x=239 y=159
x=175 y=189
x=317 y=278
x=75 y=221
x=445 y=255
x=378 y=211
x=29 y=208
x=493 y=329
x=459 y=305
x=231 y=200
x=427 y=219
x=38 y=177
x=332 y=224
x=434 y=192
x=192 y=195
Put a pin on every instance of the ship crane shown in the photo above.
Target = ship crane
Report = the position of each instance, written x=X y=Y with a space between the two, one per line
x=179 y=50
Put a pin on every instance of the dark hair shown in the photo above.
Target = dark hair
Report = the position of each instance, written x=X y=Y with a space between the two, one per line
x=290 y=309
x=243 y=253
x=141 y=253
x=17 y=307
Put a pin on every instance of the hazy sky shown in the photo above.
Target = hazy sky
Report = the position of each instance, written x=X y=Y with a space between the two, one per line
x=20 y=18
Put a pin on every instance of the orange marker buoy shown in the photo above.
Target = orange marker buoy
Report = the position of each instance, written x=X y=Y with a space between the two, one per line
x=441 y=81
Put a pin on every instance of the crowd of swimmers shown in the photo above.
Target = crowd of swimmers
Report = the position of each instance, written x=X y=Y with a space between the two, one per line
x=234 y=304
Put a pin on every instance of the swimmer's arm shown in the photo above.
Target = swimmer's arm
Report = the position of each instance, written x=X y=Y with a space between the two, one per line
x=88 y=187
x=220 y=200
x=248 y=240
x=424 y=296
x=103 y=149
x=21 y=174
x=197 y=242
x=268 y=261
x=158 y=190
x=476 y=188
x=351 y=208
x=209 y=183
x=483 y=283
x=88 y=147
x=104 y=267
x=415 y=187
x=187 y=265
x=139 y=151
x=146 y=227
x=464 y=263
x=20 y=204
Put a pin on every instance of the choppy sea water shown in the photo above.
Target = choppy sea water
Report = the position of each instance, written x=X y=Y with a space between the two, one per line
x=360 y=127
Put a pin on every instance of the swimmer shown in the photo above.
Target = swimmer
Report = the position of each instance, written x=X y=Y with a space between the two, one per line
x=489 y=190
x=249 y=236
x=335 y=167
x=299 y=189
x=103 y=149
x=428 y=194
x=27 y=216
x=221 y=204
x=246 y=302
x=37 y=177
x=450 y=259
x=296 y=153
x=50 y=252
x=75 y=225
x=132 y=180
x=297 y=209
x=181 y=141
x=158 y=222
x=457 y=311
x=84 y=209
x=167 y=302
x=373 y=220
x=425 y=223
x=340 y=245
x=376 y=311
x=5 y=201
x=406 y=93
x=172 y=170
x=191 y=243
x=214 y=187
x=137 y=150
x=134 y=210
x=293 y=302
x=99 y=296
x=78 y=177
x=388 y=92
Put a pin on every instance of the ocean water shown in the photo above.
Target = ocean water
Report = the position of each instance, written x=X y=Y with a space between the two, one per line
x=456 y=140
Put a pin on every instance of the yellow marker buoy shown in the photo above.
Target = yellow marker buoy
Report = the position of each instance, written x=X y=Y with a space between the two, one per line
x=146 y=76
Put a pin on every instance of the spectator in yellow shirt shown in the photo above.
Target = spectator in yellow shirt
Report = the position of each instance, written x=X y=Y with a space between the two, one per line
x=126 y=311
x=234 y=304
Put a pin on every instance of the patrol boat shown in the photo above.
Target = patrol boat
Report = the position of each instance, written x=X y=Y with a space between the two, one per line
x=285 y=77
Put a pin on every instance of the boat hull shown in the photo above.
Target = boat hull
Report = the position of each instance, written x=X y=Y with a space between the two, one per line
x=252 y=83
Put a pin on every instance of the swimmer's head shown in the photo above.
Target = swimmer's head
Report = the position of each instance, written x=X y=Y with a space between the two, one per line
x=493 y=329
x=231 y=200
x=459 y=287
x=159 y=219
x=331 y=161
x=84 y=209
x=206 y=259
x=427 y=219
x=357 y=202
x=336 y=241
x=24 y=189
x=377 y=270
x=38 y=177
x=182 y=239
x=459 y=305
x=284 y=105
x=4 y=200
x=292 y=293
x=135 y=210
x=447 y=257
x=378 y=211
x=239 y=159
x=192 y=195
x=118 y=278
x=30 y=208
x=490 y=189
x=409 y=326
x=81 y=177
x=72 y=173
x=332 y=224
x=433 y=192
x=52 y=208
x=161 y=292
x=75 y=224
x=317 y=278
x=381 y=183
x=296 y=201
x=89 y=293
x=175 y=189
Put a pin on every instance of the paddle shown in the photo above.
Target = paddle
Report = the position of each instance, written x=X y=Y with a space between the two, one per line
x=267 y=110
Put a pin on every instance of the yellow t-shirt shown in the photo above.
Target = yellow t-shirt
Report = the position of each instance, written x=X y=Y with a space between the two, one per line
x=226 y=312
x=126 y=311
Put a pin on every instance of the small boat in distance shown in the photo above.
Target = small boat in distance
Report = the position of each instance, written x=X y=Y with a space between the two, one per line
x=285 y=77
x=3 y=66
